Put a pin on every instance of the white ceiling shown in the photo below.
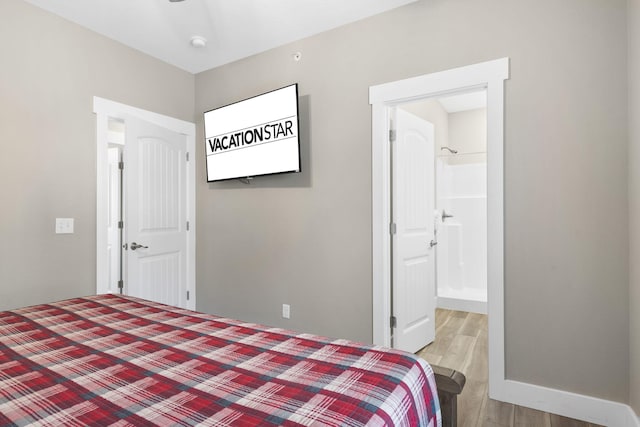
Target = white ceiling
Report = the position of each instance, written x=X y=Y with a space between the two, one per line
x=234 y=29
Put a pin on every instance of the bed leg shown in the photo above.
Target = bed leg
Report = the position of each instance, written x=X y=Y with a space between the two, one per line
x=449 y=408
x=450 y=384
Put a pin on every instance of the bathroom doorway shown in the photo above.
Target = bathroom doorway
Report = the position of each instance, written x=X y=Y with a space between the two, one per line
x=460 y=193
x=384 y=98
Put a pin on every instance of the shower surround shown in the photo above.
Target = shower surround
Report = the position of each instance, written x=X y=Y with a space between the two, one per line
x=462 y=238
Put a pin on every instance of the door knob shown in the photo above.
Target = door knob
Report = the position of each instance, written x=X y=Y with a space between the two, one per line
x=432 y=243
x=135 y=246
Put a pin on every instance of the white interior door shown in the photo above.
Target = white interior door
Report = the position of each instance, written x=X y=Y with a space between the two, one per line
x=413 y=188
x=156 y=221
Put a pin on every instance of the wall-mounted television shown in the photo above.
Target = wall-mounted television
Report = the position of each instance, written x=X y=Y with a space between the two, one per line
x=253 y=137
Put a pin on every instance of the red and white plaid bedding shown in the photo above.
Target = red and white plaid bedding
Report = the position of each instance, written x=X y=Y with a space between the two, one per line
x=112 y=360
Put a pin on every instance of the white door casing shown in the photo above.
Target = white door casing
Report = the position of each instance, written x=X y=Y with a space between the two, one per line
x=413 y=191
x=155 y=192
x=491 y=76
x=105 y=110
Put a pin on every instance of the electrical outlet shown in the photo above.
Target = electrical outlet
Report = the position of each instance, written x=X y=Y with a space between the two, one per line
x=64 y=225
x=286 y=311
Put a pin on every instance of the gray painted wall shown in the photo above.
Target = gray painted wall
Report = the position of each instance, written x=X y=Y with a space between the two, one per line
x=51 y=69
x=468 y=131
x=306 y=239
x=634 y=200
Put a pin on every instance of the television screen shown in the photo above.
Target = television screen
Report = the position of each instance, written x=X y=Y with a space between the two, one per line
x=257 y=136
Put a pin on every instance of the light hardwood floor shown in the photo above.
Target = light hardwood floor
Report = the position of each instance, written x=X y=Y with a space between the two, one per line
x=461 y=344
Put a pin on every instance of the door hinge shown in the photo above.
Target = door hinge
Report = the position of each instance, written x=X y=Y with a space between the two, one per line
x=121 y=165
x=393 y=321
x=121 y=224
x=187 y=156
x=187 y=225
x=392 y=135
x=392 y=228
x=187 y=295
x=120 y=284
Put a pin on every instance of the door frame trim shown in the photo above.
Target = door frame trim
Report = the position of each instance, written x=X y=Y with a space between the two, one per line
x=491 y=76
x=105 y=109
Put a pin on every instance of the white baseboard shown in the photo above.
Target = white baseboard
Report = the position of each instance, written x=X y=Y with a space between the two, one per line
x=458 y=304
x=567 y=404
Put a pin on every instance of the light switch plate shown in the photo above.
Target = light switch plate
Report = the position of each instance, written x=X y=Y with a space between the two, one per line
x=64 y=225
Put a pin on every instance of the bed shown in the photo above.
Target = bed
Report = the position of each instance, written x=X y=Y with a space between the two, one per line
x=115 y=360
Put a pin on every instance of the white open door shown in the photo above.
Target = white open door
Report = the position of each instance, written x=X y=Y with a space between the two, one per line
x=156 y=218
x=413 y=188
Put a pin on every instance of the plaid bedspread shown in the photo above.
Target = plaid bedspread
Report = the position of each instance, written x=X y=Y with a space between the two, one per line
x=112 y=360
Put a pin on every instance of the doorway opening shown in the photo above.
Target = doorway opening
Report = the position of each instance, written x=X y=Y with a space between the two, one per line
x=460 y=195
x=489 y=77
x=145 y=210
